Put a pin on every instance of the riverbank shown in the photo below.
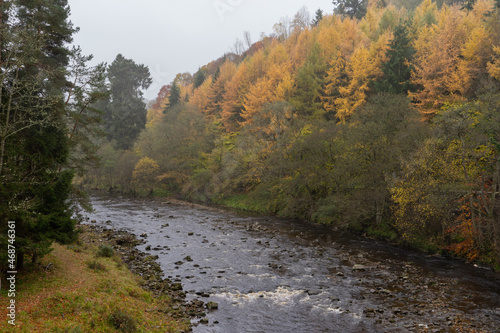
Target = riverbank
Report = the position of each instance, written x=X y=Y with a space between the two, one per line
x=81 y=288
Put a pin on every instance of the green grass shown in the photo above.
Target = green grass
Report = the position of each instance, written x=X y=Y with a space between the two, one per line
x=243 y=202
x=76 y=297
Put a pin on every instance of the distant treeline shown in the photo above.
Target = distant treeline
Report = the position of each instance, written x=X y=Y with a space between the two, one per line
x=388 y=124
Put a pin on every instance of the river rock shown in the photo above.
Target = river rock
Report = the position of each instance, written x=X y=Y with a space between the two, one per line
x=212 y=305
x=176 y=287
x=358 y=268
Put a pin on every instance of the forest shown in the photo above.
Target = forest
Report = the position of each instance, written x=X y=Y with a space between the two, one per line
x=379 y=118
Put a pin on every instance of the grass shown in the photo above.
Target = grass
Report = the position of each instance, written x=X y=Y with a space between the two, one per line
x=243 y=202
x=85 y=293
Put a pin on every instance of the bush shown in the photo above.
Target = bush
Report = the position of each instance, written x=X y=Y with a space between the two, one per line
x=122 y=321
x=96 y=266
x=105 y=251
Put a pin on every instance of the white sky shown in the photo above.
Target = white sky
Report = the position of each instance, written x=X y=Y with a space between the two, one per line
x=175 y=36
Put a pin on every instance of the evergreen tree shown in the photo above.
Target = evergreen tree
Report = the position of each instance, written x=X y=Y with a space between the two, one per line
x=126 y=112
x=199 y=78
x=352 y=8
x=216 y=74
x=397 y=70
x=317 y=18
x=34 y=183
x=174 y=98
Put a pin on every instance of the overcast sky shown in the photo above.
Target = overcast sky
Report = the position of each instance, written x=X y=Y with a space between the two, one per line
x=175 y=36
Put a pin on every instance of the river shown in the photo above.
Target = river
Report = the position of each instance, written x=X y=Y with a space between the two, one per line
x=280 y=275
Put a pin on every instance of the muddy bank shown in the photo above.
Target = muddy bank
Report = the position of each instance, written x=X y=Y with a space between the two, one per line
x=146 y=266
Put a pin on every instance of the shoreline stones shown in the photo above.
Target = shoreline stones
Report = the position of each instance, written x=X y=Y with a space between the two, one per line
x=145 y=265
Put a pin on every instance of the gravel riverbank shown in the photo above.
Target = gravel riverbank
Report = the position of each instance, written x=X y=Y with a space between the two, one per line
x=145 y=266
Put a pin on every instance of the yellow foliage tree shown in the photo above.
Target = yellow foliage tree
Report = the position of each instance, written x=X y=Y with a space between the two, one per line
x=338 y=37
x=146 y=172
x=218 y=89
x=451 y=56
x=494 y=66
x=232 y=104
x=271 y=88
x=200 y=96
x=351 y=73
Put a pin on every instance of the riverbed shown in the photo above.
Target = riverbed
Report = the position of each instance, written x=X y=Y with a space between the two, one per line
x=280 y=275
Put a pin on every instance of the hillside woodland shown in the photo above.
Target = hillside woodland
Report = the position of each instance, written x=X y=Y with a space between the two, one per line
x=387 y=123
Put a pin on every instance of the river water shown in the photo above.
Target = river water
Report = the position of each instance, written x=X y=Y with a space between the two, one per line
x=281 y=275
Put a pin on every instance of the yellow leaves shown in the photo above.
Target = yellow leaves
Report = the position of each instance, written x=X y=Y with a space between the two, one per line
x=338 y=37
x=425 y=14
x=306 y=130
x=274 y=86
x=482 y=8
x=477 y=48
x=494 y=66
x=259 y=94
x=450 y=55
x=200 y=96
x=300 y=49
x=348 y=81
x=379 y=19
x=153 y=117
x=146 y=171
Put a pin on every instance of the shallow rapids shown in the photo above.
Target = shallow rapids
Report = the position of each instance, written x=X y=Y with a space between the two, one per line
x=280 y=275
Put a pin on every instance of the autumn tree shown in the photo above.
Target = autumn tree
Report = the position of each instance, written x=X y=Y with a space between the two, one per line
x=218 y=89
x=283 y=28
x=348 y=82
x=383 y=132
x=146 y=173
x=155 y=113
x=494 y=65
x=449 y=57
x=301 y=20
x=274 y=86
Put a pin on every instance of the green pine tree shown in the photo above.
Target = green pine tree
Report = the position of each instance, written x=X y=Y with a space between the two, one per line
x=309 y=84
x=126 y=112
x=317 y=18
x=174 y=98
x=199 y=78
x=352 y=8
x=397 y=70
x=35 y=184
